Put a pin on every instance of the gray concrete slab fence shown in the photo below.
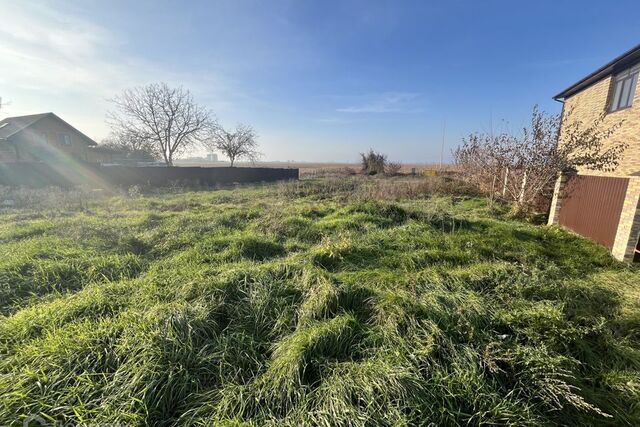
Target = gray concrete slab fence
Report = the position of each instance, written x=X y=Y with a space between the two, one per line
x=32 y=174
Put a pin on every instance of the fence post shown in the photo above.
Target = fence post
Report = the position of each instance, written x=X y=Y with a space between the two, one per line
x=522 y=187
x=506 y=179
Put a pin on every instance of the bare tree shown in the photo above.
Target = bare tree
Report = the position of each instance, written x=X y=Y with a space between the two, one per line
x=166 y=118
x=132 y=146
x=522 y=168
x=483 y=157
x=239 y=144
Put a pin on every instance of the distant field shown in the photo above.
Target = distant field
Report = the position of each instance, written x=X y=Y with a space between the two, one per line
x=351 y=302
x=310 y=167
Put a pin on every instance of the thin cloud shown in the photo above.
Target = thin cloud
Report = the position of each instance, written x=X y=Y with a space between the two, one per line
x=54 y=61
x=335 y=120
x=388 y=102
x=44 y=51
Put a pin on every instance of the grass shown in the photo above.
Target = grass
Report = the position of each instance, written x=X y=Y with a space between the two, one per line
x=297 y=305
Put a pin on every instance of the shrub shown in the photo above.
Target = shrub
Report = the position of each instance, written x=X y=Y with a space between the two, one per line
x=373 y=163
x=523 y=167
x=392 y=168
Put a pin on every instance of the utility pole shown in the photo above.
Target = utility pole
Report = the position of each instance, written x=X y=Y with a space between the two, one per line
x=444 y=127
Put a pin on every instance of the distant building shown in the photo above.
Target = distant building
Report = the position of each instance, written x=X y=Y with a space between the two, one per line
x=43 y=137
x=605 y=206
x=212 y=157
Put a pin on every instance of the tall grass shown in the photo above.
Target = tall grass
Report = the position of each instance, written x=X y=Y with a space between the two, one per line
x=298 y=305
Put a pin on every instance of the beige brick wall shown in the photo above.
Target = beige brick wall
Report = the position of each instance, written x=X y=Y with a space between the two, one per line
x=629 y=224
x=588 y=104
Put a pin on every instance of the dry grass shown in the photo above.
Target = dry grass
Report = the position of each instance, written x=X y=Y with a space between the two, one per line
x=362 y=188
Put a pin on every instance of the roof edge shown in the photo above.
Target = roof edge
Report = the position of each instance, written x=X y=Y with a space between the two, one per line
x=89 y=141
x=627 y=58
x=40 y=117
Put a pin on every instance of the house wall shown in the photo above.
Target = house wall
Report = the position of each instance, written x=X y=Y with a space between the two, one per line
x=7 y=152
x=44 y=141
x=629 y=225
x=587 y=105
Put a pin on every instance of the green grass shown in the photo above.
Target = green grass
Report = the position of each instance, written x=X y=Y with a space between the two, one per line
x=274 y=305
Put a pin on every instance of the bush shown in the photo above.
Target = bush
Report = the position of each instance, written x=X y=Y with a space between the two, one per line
x=373 y=163
x=392 y=168
x=522 y=167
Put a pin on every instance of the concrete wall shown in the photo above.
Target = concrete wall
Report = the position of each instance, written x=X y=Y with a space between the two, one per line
x=68 y=174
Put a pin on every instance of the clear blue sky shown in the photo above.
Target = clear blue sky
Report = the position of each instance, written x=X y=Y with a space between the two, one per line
x=319 y=80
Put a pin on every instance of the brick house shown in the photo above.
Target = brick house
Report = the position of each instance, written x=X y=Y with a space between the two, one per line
x=44 y=138
x=604 y=206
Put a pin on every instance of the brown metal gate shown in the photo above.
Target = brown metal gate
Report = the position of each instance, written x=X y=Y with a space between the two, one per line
x=591 y=206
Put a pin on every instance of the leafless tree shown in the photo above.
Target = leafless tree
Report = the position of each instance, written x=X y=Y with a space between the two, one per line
x=239 y=144
x=166 y=118
x=132 y=146
x=522 y=168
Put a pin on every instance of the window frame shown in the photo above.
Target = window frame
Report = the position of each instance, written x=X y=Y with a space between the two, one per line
x=617 y=89
x=65 y=139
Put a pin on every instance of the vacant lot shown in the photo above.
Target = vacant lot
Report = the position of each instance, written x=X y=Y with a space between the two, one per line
x=307 y=304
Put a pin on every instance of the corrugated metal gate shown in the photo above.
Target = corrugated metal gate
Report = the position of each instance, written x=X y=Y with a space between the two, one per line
x=591 y=206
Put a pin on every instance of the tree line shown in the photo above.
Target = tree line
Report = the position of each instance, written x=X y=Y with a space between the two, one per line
x=162 y=122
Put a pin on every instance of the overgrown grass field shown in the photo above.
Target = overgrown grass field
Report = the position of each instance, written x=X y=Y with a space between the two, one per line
x=294 y=305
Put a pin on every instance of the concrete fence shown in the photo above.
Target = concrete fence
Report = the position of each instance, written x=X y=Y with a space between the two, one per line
x=32 y=174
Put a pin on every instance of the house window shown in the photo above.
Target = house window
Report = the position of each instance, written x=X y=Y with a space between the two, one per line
x=624 y=89
x=65 y=139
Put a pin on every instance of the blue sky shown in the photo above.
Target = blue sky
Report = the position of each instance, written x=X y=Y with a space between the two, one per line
x=319 y=80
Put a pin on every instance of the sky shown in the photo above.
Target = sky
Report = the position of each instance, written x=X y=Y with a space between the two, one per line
x=319 y=80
